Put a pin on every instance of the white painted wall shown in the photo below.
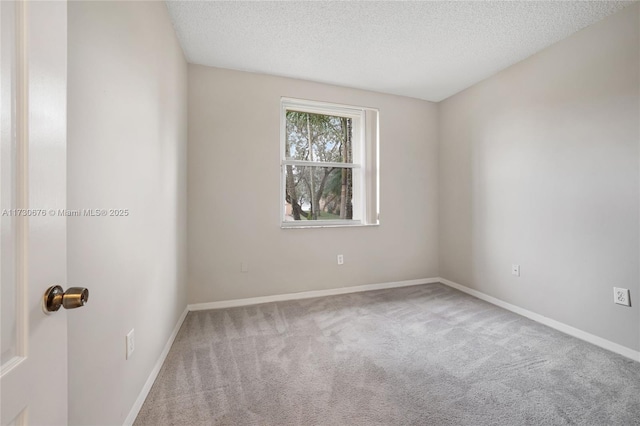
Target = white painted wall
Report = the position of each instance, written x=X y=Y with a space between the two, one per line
x=234 y=193
x=126 y=149
x=539 y=167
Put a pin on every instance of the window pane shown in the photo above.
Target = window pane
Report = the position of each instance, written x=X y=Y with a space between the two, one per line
x=318 y=193
x=318 y=137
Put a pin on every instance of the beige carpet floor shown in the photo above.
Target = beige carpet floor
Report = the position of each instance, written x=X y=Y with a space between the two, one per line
x=422 y=355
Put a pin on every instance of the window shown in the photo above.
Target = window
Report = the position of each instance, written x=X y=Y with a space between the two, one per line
x=329 y=164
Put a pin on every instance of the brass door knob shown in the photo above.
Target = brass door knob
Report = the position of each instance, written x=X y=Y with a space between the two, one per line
x=55 y=297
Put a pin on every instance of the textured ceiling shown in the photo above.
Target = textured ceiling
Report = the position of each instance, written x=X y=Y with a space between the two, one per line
x=426 y=50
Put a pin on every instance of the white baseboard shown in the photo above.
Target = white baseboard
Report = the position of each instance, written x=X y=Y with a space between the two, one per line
x=307 y=294
x=567 y=329
x=154 y=373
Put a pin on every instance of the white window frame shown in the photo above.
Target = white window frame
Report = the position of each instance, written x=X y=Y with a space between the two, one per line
x=365 y=163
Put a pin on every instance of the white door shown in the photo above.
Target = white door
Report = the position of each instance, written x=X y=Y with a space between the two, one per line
x=33 y=377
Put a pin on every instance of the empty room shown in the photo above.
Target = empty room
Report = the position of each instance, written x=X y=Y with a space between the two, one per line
x=320 y=213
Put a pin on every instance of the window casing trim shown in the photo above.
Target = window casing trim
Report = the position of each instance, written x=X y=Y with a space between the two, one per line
x=365 y=159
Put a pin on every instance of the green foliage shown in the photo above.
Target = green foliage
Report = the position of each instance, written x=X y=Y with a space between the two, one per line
x=318 y=138
x=327 y=137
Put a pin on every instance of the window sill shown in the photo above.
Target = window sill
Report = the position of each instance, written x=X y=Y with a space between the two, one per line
x=337 y=225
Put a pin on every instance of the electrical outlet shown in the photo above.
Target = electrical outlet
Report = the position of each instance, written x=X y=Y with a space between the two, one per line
x=131 y=343
x=244 y=267
x=621 y=296
x=340 y=259
x=515 y=270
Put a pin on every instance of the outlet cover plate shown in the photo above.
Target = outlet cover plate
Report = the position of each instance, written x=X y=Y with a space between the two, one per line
x=340 y=259
x=131 y=343
x=515 y=270
x=621 y=296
